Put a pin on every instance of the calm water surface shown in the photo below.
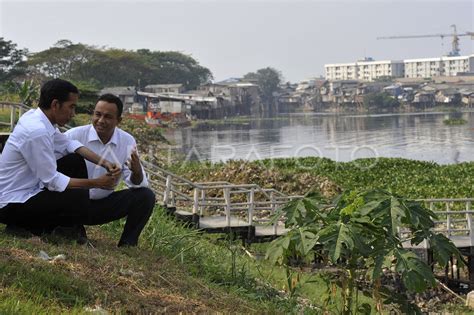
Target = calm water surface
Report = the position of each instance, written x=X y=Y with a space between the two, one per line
x=342 y=137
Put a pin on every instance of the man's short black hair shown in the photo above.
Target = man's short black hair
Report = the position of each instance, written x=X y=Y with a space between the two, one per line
x=56 y=89
x=110 y=98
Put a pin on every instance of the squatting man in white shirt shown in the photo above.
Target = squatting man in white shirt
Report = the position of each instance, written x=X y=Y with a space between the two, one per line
x=113 y=144
x=44 y=184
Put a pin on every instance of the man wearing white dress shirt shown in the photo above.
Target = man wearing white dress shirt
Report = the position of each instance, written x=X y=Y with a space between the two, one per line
x=112 y=143
x=43 y=177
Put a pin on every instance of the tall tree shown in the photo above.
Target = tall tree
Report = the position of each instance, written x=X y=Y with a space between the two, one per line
x=176 y=67
x=11 y=60
x=118 y=67
x=268 y=79
x=65 y=59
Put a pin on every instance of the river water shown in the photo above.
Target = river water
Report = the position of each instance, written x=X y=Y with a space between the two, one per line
x=340 y=137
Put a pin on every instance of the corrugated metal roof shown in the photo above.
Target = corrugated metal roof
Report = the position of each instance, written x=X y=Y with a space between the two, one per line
x=164 y=86
x=119 y=90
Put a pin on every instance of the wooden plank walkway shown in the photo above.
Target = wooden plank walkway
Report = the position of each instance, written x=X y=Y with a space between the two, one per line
x=238 y=226
x=224 y=207
x=219 y=222
x=461 y=241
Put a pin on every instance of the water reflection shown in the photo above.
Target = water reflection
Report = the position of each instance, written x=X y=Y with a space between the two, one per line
x=421 y=136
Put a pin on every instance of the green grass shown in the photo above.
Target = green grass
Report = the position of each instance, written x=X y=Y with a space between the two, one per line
x=185 y=270
x=210 y=257
x=31 y=286
x=37 y=284
x=182 y=262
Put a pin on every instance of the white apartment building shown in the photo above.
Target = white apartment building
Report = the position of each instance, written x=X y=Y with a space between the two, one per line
x=367 y=70
x=435 y=67
x=370 y=70
x=341 y=71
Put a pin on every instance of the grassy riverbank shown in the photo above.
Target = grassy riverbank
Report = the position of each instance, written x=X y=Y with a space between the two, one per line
x=175 y=270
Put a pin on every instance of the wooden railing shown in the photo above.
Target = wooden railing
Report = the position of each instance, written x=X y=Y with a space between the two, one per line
x=454 y=220
x=240 y=204
x=16 y=110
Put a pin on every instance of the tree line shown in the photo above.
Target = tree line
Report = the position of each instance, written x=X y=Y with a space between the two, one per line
x=99 y=67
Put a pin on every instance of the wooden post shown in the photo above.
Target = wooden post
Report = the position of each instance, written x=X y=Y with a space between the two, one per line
x=167 y=190
x=12 y=117
x=227 y=205
x=172 y=197
x=273 y=207
x=251 y=205
x=469 y=223
x=196 y=200
x=451 y=267
x=448 y=220
x=203 y=201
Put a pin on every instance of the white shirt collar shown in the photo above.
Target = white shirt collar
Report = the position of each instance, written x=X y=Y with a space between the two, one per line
x=93 y=136
x=49 y=126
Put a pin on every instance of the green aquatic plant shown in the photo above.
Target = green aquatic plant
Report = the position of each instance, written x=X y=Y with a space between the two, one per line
x=358 y=235
x=454 y=121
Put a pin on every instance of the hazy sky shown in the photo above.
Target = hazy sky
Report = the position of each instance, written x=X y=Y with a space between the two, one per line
x=232 y=38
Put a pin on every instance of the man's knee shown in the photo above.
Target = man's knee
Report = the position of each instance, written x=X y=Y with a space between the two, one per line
x=72 y=165
x=71 y=159
x=147 y=195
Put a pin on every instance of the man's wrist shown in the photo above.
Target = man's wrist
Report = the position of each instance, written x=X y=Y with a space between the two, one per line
x=105 y=164
x=92 y=183
x=136 y=170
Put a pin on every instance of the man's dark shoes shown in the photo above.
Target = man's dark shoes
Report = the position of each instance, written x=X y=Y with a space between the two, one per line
x=126 y=244
x=74 y=233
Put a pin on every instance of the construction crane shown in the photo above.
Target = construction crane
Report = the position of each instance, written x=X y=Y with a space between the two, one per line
x=455 y=43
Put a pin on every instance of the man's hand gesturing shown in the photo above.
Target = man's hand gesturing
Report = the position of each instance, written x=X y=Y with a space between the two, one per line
x=134 y=162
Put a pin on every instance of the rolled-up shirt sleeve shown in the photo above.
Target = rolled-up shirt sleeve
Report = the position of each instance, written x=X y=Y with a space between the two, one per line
x=63 y=145
x=73 y=146
x=127 y=174
x=38 y=152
